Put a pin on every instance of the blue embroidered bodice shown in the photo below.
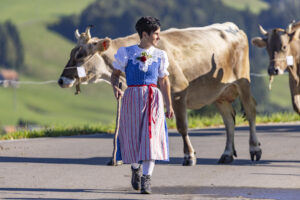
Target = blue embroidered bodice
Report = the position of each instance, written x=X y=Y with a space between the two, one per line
x=135 y=76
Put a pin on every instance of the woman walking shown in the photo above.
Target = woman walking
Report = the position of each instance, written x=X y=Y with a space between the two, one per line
x=143 y=133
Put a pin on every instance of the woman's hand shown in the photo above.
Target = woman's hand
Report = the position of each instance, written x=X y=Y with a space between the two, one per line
x=118 y=92
x=170 y=112
x=114 y=79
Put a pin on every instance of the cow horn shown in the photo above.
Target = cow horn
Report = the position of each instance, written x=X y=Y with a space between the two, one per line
x=87 y=31
x=289 y=28
x=77 y=35
x=262 y=30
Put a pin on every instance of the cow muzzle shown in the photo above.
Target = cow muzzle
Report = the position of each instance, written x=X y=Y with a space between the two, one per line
x=273 y=71
x=65 y=82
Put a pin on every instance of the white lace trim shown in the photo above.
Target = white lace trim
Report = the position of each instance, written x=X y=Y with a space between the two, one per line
x=135 y=51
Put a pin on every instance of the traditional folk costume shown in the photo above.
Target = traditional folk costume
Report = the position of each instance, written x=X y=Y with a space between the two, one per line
x=142 y=132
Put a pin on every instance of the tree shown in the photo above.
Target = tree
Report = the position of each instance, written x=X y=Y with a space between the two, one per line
x=11 y=48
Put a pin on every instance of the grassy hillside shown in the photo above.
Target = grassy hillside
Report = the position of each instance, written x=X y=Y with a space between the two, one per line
x=46 y=53
x=279 y=94
x=255 y=6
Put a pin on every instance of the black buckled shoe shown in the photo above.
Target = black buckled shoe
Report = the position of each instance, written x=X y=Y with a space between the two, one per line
x=136 y=178
x=146 y=184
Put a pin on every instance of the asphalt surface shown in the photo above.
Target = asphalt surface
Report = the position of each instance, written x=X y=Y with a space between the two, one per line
x=75 y=168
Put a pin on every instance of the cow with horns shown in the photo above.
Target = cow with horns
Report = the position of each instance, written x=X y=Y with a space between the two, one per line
x=207 y=65
x=283 y=47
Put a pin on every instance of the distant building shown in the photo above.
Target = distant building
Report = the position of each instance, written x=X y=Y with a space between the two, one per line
x=8 y=129
x=8 y=78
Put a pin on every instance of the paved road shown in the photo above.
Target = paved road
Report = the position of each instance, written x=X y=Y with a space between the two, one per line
x=75 y=168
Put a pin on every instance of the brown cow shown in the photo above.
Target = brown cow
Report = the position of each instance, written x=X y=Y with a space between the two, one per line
x=207 y=65
x=283 y=47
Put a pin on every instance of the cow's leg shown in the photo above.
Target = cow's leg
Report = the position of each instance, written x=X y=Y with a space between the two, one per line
x=228 y=115
x=249 y=104
x=179 y=105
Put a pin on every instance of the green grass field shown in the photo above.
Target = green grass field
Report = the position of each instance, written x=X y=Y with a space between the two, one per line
x=48 y=104
x=280 y=92
x=46 y=53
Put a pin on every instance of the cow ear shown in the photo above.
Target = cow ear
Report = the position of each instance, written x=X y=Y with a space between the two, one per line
x=259 y=42
x=295 y=35
x=104 y=44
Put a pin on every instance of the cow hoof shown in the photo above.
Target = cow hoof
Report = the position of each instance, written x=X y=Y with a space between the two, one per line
x=118 y=163
x=255 y=154
x=189 y=161
x=226 y=159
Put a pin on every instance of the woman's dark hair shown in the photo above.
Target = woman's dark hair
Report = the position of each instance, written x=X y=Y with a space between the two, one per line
x=147 y=24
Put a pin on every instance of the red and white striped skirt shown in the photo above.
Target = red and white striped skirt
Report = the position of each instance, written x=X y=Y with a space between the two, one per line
x=139 y=139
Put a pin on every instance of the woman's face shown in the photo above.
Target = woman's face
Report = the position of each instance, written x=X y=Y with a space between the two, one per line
x=153 y=38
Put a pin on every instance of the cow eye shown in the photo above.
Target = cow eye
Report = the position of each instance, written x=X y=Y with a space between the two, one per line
x=80 y=55
x=284 y=47
x=95 y=43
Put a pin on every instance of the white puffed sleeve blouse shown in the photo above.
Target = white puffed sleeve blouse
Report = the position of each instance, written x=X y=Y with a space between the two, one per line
x=121 y=59
x=164 y=64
